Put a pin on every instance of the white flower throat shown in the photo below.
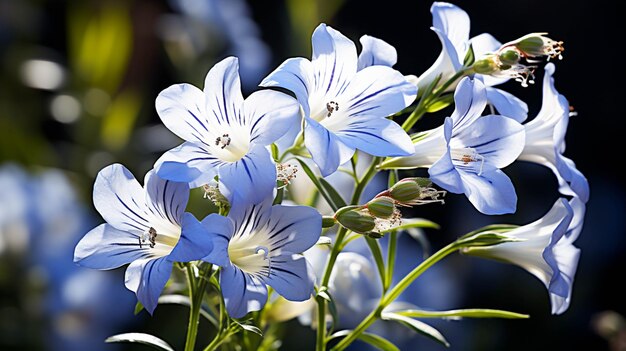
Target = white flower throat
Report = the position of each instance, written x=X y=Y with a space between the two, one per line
x=250 y=254
x=466 y=156
x=158 y=244
x=231 y=144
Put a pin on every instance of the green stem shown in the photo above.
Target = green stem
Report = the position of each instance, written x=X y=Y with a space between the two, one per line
x=361 y=184
x=391 y=259
x=196 y=303
x=394 y=293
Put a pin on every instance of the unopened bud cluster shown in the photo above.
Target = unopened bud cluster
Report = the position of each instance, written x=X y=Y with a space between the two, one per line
x=506 y=62
x=381 y=214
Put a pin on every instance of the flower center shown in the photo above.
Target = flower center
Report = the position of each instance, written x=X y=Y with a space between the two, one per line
x=149 y=238
x=222 y=141
x=158 y=244
x=250 y=259
x=331 y=107
x=466 y=157
x=231 y=145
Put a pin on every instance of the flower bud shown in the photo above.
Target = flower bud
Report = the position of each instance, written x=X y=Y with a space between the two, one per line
x=509 y=57
x=538 y=45
x=328 y=222
x=487 y=65
x=357 y=221
x=405 y=190
x=381 y=207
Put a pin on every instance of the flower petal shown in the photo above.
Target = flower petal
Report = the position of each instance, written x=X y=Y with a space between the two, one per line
x=195 y=241
x=166 y=200
x=507 y=104
x=454 y=23
x=292 y=229
x=334 y=60
x=376 y=52
x=499 y=140
x=443 y=172
x=470 y=100
x=295 y=74
x=120 y=199
x=147 y=278
x=181 y=107
x=326 y=149
x=491 y=193
x=221 y=229
x=223 y=92
x=252 y=178
x=292 y=277
x=378 y=137
x=482 y=45
x=188 y=163
x=571 y=181
x=446 y=65
x=105 y=247
x=270 y=114
x=242 y=293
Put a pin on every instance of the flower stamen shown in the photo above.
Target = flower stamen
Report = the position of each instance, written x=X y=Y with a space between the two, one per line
x=149 y=236
x=222 y=141
x=331 y=107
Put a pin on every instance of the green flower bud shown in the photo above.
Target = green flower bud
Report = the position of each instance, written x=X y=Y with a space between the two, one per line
x=422 y=182
x=375 y=235
x=328 y=222
x=487 y=65
x=381 y=207
x=538 y=45
x=405 y=190
x=508 y=58
x=357 y=221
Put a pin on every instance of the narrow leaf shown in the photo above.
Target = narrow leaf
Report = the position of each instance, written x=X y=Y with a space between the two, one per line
x=140 y=338
x=378 y=257
x=318 y=185
x=377 y=341
x=416 y=223
x=339 y=201
x=138 y=307
x=440 y=103
x=469 y=57
x=465 y=313
x=417 y=326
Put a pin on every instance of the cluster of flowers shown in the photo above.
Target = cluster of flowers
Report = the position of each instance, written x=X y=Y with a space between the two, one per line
x=342 y=104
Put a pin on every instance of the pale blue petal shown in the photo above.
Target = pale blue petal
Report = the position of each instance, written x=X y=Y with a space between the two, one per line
x=470 y=100
x=105 y=247
x=491 y=193
x=270 y=114
x=376 y=52
x=182 y=110
x=147 y=278
x=378 y=137
x=443 y=172
x=579 y=209
x=220 y=230
x=507 y=104
x=252 y=178
x=120 y=200
x=166 y=199
x=195 y=241
x=449 y=57
x=292 y=229
x=326 y=149
x=292 y=277
x=499 y=140
x=571 y=181
x=188 y=163
x=223 y=92
x=242 y=292
x=295 y=74
x=558 y=282
x=334 y=60
x=377 y=92
x=454 y=23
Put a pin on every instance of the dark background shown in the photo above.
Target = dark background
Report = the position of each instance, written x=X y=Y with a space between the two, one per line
x=591 y=76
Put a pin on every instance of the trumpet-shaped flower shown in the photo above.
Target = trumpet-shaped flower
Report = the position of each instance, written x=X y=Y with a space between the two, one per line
x=262 y=245
x=346 y=107
x=466 y=153
x=545 y=249
x=146 y=227
x=452 y=26
x=225 y=135
x=545 y=140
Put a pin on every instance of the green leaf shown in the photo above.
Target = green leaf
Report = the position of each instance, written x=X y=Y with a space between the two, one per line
x=392 y=243
x=184 y=301
x=279 y=196
x=465 y=313
x=249 y=327
x=393 y=178
x=374 y=246
x=332 y=307
x=140 y=338
x=469 y=57
x=377 y=341
x=408 y=223
x=318 y=185
x=138 y=307
x=339 y=201
x=274 y=149
x=416 y=326
x=440 y=103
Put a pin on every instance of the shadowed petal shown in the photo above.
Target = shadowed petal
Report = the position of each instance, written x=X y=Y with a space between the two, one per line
x=491 y=193
x=470 y=100
x=166 y=199
x=376 y=52
x=220 y=230
x=378 y=137
x=334 y=60
x=147 y=278
x=105 y=247
x=242 y=293
x=293 y=229
x=181 y=107
x=223 y=92
x=252 y=178
x=188 y=163
x=270 y=114
x=454 y=23
x=292 y=277
x=326 y=149
x=295 y=74
x=507 y=104
x=195 y=241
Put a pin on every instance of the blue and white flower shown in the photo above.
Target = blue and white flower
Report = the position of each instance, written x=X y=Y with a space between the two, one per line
x=261 y=245
x=452 y=26
x=545 y=140
x=346 y=107
x=224 y=135
x=146 y=227
x=545 y=249
x=465 y=155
